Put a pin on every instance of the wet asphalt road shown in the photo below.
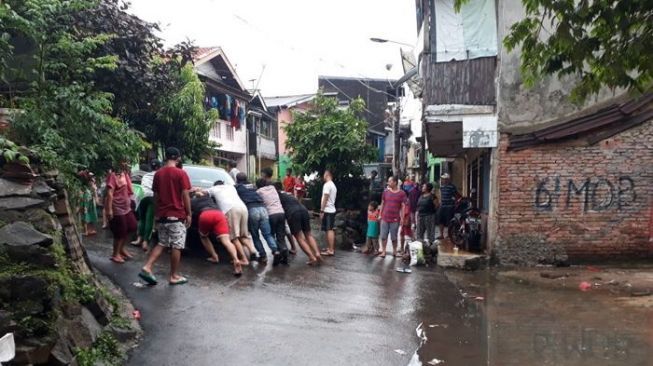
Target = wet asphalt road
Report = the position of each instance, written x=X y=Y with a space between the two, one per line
x=353 y=310
x=357 y=310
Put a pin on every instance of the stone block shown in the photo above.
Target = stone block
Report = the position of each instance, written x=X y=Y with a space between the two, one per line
x=42 y=189
x=84 y=330
x=20 y=203
x=11 y=188
x=42 y=220
x=470 y=262
x=61 y=354
x=61 y=207
x=29 y=288
x=22 y=234
x=33 y=352
x=101 y=309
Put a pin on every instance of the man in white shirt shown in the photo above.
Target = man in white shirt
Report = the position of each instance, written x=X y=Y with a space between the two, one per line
x=236 y=212
x=233 y=171
x=328 y=213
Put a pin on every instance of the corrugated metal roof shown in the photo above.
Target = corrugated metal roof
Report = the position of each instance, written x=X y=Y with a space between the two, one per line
x=288 y=100
x=607 y=121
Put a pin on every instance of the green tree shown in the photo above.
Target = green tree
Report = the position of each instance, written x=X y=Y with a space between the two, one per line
x=64 y=117
x=607 y=43
x=329 y=137
x=184 y=121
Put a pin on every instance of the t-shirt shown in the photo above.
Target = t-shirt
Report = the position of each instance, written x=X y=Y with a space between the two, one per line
x=330 y=189
x=425 y=205
x=271 y=198
x=413 y=197
x=226 y=197
x=447 y=193
x=168 y=186
x=248 y=195
x=290 y=204
x=122 y=192
x=203 y=203
x=392 y=202
x=373 y=216
x=289 y=184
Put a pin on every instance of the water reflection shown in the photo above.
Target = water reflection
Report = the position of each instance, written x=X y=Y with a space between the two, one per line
x=502 y=323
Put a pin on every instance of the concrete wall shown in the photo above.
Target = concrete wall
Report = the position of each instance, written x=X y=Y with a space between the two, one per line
x=574 y=201
x=518 y=105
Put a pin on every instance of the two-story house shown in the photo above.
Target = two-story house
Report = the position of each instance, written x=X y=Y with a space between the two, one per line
x=556 y=182
x=263 y=136
x=226 y=93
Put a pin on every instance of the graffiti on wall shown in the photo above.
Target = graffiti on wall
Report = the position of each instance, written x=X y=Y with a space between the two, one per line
x=591 y=193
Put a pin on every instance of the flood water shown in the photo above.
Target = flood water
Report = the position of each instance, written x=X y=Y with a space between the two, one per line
x=505 y=323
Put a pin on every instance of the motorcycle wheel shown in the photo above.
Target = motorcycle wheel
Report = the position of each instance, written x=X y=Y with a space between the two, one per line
x=456 y=237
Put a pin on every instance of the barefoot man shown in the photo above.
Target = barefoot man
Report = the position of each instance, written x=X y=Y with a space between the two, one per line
x=328 y=213
x=171 y=187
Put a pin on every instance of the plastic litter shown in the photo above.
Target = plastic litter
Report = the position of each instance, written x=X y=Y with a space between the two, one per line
x=445 y=326
x=403 y=270
x=137 y=314
x=139 y=284
x=7 y=348
x=584 y=286
x=435 y=361
x=400 y=351
x=416 y=253
x=479 y=298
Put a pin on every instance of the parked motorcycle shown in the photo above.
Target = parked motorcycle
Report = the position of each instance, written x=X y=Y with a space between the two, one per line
x=464 y=229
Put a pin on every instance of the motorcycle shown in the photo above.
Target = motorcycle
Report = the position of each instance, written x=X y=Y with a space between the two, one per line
x=464 y=229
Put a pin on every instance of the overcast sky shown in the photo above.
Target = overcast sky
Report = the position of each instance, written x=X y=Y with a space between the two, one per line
x=294 y=40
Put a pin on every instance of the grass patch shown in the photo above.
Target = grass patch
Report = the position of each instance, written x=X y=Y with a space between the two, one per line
x=105 y=349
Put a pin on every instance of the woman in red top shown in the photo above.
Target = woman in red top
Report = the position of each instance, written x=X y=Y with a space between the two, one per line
x=300 y=188
x=119 y=211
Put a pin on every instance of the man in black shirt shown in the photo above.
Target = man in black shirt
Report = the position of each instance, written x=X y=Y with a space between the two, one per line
x=300 y=225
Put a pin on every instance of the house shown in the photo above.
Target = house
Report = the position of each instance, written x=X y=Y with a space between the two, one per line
x=376 y=93
x=263 y=136
x=226 y=93
x=556 y=182
x=283 y=107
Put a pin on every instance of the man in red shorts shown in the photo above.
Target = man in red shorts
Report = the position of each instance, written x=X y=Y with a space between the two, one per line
x=212 y=221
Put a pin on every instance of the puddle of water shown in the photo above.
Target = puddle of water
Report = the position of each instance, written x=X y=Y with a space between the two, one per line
x=516 y=324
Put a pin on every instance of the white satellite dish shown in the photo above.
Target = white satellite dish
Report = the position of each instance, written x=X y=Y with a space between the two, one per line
x=7 y=348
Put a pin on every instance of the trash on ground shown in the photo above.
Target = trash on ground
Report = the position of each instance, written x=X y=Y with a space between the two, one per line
x=139 y=284
x=137 y=314
x=7 y=348
x=479 y=298
x=435 y=361
x=584 y=286
x=400 y=351
x=438 y=326
x=403 y=270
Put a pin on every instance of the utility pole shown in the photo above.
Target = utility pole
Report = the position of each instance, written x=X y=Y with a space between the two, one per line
x=395 y=132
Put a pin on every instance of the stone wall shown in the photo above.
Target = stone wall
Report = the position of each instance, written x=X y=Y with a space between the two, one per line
x=570 y=201
x=49 y=297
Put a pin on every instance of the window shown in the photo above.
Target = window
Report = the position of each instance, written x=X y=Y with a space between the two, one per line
x=264 y=128
x=230 y=132
x=216 y=130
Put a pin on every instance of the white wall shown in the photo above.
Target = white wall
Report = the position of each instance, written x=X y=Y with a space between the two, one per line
x=237 y=145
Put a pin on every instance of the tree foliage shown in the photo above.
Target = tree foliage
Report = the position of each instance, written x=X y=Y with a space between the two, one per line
x=607 y=43
x=65 y=118
x=329 y=137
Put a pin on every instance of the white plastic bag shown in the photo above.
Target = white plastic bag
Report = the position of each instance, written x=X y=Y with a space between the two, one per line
x=416 y=253
x=7 y=348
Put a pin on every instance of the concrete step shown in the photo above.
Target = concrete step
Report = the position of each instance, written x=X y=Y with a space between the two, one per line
x=447 y=258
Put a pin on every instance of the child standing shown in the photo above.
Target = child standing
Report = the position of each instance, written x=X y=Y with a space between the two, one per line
x=406 y=230
x=373 y=217
x=89 y=204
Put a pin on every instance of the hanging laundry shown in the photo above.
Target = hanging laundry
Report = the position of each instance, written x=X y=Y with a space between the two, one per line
x=214 y=102
x=235 y=122
x=242 y=115
x=207 y=103
x=227 y=107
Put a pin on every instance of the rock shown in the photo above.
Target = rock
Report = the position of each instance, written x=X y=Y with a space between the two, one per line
x=61 y=354
x=552 y=275
x=22 y=234
x=123 y=335
x=84 y=330
x=29 y=288
x=33 y=351
x=42 y=220
x=61 y=207
x=470 y=262
x=101 y=309
x=5 y=322
x=19 y=203
x=42 y=189
x=11 y=188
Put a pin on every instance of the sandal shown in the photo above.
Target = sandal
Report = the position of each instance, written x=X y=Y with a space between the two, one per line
x=118 y=260
x=211 y=260
x=326 y=253
x=148 y=277
x=181 y=281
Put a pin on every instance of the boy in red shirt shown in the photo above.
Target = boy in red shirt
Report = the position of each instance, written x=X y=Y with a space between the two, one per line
x=289 y=182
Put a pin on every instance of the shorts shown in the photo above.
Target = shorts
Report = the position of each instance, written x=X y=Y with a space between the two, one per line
x=213 y=221
x=237 y=220
x=373 y=229
x=328 y=221
x=445 y=214
x=172 y=234
x=124 y=225
x=299 y=221
x=391 y=228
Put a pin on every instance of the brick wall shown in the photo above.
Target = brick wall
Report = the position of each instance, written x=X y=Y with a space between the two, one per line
x=583 y=202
